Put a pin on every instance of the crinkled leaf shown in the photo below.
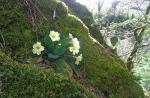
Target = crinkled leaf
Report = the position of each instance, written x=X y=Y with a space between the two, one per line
x=52 y=56
x=73 y=66
x=65 y=43
x=61 y=50
x=69 y=58
x=75 y=69
x=48 y=44
x=61 y=66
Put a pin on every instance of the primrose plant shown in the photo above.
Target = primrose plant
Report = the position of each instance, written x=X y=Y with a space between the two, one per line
x=61 y=52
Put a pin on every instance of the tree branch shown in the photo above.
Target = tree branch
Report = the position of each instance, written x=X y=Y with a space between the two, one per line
x=138 y=38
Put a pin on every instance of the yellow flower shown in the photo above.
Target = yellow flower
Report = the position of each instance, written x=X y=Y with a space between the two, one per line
x=78 y=59
x=75 y=43
x=74 y=50
x=54 y=36
x=70 y=36
x=37 y=48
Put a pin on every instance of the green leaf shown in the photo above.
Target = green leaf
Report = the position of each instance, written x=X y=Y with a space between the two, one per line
x=48 y=44
x=65 y=43
x=52 y=56
x=75 y=69
x=69 y=58
x=61 y=50
x=61 y=66
x=114 y=40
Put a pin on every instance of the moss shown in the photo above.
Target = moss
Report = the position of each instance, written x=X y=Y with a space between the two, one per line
x=102 y=71
x=95 y=32
x=85 y=15
x=28 y=81
x=16 y=30
x=19 y=35
x=61 y=9
x=81 y=11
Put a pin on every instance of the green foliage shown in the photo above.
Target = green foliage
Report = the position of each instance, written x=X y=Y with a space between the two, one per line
x=62 y=66
x=109 y=16
x=56 y=52
x=125 y=26
x=65 y=43
x=49 y=45
x=29 y=81
x=114 y=40
x=52 y=56
x=75 y=69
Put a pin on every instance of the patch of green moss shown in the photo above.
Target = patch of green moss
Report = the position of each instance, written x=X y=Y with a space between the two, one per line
x=85 y=15
x=16 y=29
x=80 y=11
x=29 y=81
x=61 y=9
x=95 y=32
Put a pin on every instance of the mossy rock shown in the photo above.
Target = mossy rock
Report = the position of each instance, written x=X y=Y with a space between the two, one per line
x=61 y=9
x=16 y=30
x=30 y=81
x=80 y=11
x=101 y=70
x=85 y=15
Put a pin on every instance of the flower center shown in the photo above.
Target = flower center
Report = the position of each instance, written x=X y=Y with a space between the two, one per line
x=38 y=48
x=74 y=49
x=53 y=36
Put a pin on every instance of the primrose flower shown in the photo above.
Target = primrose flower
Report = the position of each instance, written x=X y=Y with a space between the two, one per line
x=54 y=36
x=74 y=50
x=70 y=36
x=78 y=59
x=37 y=48
x=76 y=43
